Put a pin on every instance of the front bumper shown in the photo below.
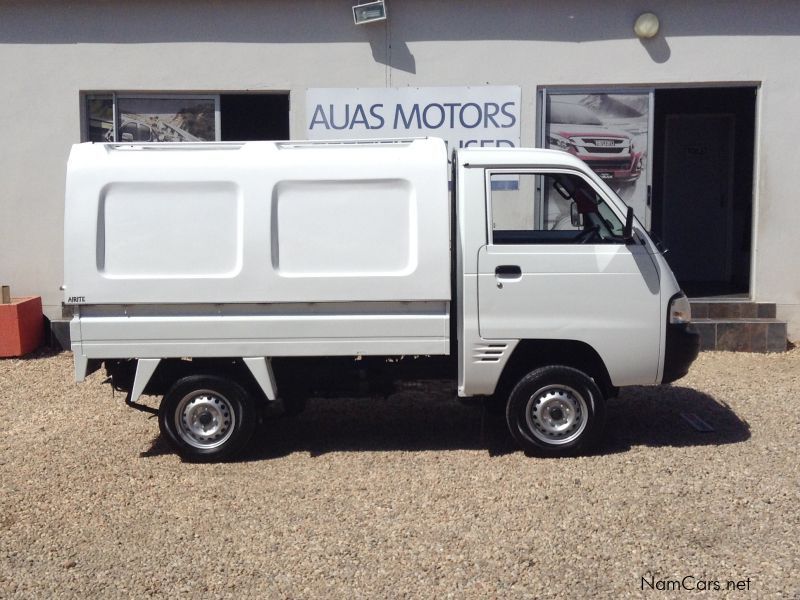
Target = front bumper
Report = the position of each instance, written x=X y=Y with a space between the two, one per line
x=681 y=348
x=624 y=168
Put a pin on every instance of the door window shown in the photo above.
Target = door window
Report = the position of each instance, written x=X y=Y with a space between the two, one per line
x=551 y=208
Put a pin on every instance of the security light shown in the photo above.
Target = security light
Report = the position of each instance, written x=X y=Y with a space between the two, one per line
x=646 y=26
x=369 y=12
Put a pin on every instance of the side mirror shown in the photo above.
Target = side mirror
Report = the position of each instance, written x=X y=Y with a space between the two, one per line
x=575 y=218
x=627 y=232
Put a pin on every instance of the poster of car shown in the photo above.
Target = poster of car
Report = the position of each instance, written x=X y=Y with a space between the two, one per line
x=152 y=118
x=608 y=132
x=166 y=119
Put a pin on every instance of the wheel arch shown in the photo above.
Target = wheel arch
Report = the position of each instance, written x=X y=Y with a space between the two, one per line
x=171 y=370
x=532 y=354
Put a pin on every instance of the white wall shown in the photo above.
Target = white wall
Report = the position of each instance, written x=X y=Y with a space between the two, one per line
x=51 y=51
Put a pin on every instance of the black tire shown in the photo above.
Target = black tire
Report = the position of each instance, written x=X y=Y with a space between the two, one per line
x=556 y=411
x=203 y=404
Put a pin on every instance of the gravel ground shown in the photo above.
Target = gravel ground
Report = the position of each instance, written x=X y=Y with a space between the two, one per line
x=416 y=496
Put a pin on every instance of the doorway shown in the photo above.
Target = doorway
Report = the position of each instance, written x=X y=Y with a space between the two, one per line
x=702 y=196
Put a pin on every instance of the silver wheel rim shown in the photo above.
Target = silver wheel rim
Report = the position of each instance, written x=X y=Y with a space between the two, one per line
x=205 y=419
x=556 y=414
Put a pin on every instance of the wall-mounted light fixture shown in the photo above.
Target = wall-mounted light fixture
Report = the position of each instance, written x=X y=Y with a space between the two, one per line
x=646 y=26
x=369 y=12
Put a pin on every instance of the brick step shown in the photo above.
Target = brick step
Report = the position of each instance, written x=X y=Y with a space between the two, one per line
x=704 y=309
x=741 y=334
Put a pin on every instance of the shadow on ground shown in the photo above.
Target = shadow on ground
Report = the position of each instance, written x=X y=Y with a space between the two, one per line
x=431 y=418
x=651 y=416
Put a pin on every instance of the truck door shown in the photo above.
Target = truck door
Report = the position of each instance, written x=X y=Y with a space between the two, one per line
x=557 y=267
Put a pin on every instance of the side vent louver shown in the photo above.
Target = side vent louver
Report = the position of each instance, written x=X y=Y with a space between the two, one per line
x=488 y=353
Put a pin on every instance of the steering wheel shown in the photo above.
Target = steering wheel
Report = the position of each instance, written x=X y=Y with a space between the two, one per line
x=585 y=235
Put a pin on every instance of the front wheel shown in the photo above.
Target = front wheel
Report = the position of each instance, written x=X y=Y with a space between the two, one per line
x=556 y=410
x=206 y=418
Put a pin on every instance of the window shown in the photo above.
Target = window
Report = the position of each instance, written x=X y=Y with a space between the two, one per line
x=552 y=208
x=128 y=117
x=245 y=117
x=152 y=118
x=99 y=119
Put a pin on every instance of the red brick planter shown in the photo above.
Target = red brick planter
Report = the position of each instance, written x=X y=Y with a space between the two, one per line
x=21 y=326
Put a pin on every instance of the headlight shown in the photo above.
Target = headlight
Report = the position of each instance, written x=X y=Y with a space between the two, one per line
x=558 y=141
x=680 y=311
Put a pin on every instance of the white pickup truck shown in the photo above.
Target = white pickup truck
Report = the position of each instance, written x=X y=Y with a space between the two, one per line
x=235 y=277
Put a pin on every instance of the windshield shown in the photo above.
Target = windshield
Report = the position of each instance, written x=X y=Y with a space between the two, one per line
x=573 y=114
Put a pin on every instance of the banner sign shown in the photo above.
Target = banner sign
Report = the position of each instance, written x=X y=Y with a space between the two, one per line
x=485 y=116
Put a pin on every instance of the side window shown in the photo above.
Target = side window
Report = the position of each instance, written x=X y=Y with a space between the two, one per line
x=151 y=118
x=126 y=117
x=553 y=208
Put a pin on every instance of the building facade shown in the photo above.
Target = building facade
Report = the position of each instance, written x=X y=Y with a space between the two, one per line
x=695 y=127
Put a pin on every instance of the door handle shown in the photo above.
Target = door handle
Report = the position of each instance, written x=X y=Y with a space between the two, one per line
x=508 y=272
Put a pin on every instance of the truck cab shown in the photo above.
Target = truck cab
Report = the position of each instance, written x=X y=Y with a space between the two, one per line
x=553 y=270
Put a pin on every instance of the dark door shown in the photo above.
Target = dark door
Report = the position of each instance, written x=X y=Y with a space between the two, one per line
x=698 y=196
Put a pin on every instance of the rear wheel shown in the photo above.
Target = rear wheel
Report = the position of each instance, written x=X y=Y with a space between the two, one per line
x=207 y=418
x=556 y=410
